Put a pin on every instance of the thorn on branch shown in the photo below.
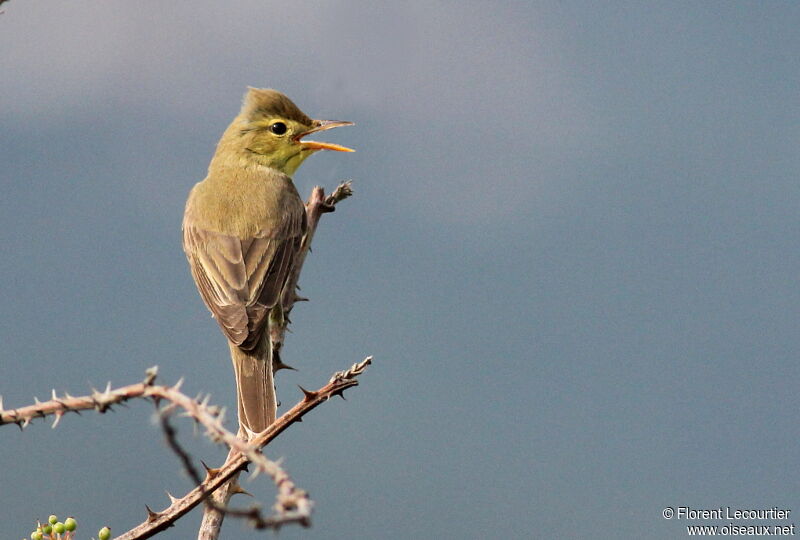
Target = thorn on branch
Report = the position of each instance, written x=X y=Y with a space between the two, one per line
x=210 y=472
x=239 y=489
x=150 y=375
x=206 y=401
x=308 y=395
x=278 y=365
x=151 y=516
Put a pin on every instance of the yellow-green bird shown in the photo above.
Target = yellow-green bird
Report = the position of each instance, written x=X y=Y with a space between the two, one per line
x=242 y=230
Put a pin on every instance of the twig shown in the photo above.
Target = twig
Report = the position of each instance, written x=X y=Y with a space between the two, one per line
x=284 y=514
x=293 y=504
x=210 y=416
x=316 y=205
x=159 y=521
x=100 y=401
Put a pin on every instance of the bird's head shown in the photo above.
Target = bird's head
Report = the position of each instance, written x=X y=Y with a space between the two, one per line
x=274 y=130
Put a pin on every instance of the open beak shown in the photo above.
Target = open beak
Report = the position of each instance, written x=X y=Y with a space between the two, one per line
x=322 y=125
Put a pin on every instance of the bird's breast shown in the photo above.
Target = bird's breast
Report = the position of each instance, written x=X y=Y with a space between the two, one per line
x=248 y=202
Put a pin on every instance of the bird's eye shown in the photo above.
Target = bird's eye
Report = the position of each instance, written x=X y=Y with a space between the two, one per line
x=278 y=128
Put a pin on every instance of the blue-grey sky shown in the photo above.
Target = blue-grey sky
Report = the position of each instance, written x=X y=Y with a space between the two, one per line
x=573 y=251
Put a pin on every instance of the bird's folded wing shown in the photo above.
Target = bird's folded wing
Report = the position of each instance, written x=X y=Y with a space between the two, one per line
x=239 y=279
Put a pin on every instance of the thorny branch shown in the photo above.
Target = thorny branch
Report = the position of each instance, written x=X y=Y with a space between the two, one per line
x=279 y=476
x=292 y=504
x=316 y=205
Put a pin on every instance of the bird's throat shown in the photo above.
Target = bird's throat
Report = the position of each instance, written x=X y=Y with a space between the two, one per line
x=287 y=164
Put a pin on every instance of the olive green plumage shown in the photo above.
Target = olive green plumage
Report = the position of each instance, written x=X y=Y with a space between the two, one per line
x=242 y=230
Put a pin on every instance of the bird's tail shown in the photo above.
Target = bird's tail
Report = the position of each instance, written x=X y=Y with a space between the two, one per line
x=255 y=388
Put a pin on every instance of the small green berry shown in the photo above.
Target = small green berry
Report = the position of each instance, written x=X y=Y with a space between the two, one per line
x=59 y=528
x=52 y=519
x=36 y=535
x=47 y=529
x=104 y=533
x=70 y=524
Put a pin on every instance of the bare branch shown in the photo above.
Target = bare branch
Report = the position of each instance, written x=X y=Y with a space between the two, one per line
x=100 y=401
x=292 y=504
x=316 y=205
